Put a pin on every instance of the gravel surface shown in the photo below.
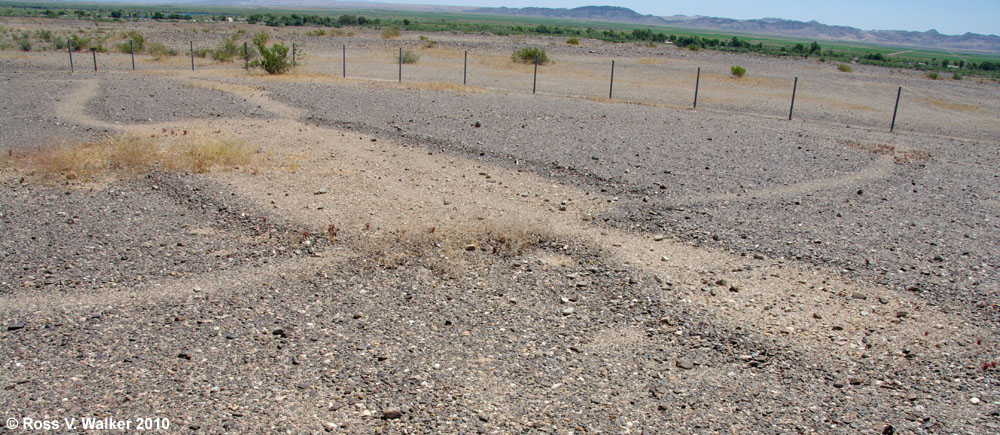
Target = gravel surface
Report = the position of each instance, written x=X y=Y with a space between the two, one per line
x=702 y=272
x=920 y=218
x=140 y=99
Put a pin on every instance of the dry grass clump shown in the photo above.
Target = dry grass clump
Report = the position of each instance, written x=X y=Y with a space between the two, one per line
x=446 y=250
x=898 y=155
x=129 y=156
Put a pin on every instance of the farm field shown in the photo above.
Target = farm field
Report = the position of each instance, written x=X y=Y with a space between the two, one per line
x=323 y=251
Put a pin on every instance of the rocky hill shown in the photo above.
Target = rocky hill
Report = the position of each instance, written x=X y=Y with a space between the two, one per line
x=765 y=26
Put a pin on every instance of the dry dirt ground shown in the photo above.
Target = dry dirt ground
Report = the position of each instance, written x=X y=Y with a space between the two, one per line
x=431 y=258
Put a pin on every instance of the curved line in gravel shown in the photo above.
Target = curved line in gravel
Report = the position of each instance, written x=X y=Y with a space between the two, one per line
x=881 y=169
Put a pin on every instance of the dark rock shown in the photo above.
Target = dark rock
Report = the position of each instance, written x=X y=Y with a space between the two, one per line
x=391 y=414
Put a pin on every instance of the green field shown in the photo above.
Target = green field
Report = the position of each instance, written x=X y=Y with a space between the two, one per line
x=972 y=63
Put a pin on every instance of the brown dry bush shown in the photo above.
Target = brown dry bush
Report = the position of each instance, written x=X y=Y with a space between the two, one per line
x=129 y=156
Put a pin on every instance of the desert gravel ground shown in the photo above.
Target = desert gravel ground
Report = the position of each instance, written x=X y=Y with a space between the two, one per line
x=568 y=265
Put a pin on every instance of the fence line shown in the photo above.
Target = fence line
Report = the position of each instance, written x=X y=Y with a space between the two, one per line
x=465 y=73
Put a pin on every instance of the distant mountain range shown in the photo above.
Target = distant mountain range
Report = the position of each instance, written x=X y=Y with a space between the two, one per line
x=765 y=26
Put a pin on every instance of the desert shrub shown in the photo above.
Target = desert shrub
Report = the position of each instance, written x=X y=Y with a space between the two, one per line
x=79 y=42
x=25 y=45
x=274 y=60
x=737 y=71
x=693 y=47
x=159 y=51
x=392 y=32
x=138 y=42
x=227 y=50
x=573 y=41
x=932 y=75
x=317 y=32
x=59 y=43
x=202 y=52
x=44 y=35
x=529 y=55
x=844 y=68
x=956 y=76
x=409 y=56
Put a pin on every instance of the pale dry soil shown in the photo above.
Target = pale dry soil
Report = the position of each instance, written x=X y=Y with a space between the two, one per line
x=368 y=278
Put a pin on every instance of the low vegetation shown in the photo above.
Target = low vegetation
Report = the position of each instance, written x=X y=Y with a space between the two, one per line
x=737 y=71
x=131 y=156
x=390 y=33
x=573 y=41
x=844 y=68
x=409 y=57
x=983 y=65
x=273 y=60
x=530 y=55
x=933 y=75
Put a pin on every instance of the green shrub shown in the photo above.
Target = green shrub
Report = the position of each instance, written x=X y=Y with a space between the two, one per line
x=529 y=55
x=737 y=70
x=573 y=41
x=693 y=47
x=932 y=75
x=409 y=57
x=956 y=76
x=227 y=50
x=392 y=32
x=44 y=35
x=274 y=60
x=79 y=42
x=159 y=51
x=201 y=52
x=317 y=32
x=59 y=43
x=138 y=42
x=25 y=45
x=844 y=68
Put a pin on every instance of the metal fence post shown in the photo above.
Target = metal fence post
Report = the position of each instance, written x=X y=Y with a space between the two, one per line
x=344 y=58
x=69 y=45
x=401 y=64
x=697 y=81
x=131 y=50
x=894 y=110
x=611 y=90
x=794 y=88
x=94 y=52
x=465 y=69
x=534 y=81
x=293 y=54
x=246 y=56
x=192 y=55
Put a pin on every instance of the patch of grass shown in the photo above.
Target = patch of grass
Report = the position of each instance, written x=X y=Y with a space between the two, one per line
x=409 y=57
x=130 y=156
x=573 y=41
x=844 y=68
x=933 y=75
x=138 y=42
x=530 y=55
x=956 y=76
x=227 y=50
x=160 y=51
x=737 y=71
x=317 y=32
x=693 y=47
x=390 y=33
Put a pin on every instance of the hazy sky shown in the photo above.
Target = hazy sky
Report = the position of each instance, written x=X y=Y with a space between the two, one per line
x=950 y=17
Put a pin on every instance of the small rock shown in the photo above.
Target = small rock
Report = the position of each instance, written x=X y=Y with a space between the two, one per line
x=184 y=356
x=684 y=364
x=16 y=326
x=817 y=316
x=974 y=400
x=658 y=237
x=280 y=333
x=320 y=192
x=470 y=247
x=722 y=283
x=664 y=258
x=392 y=414
x=484 y=418
x=567 y=311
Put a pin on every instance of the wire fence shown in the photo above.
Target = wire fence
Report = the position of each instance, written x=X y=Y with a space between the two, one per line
x=870 y=102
